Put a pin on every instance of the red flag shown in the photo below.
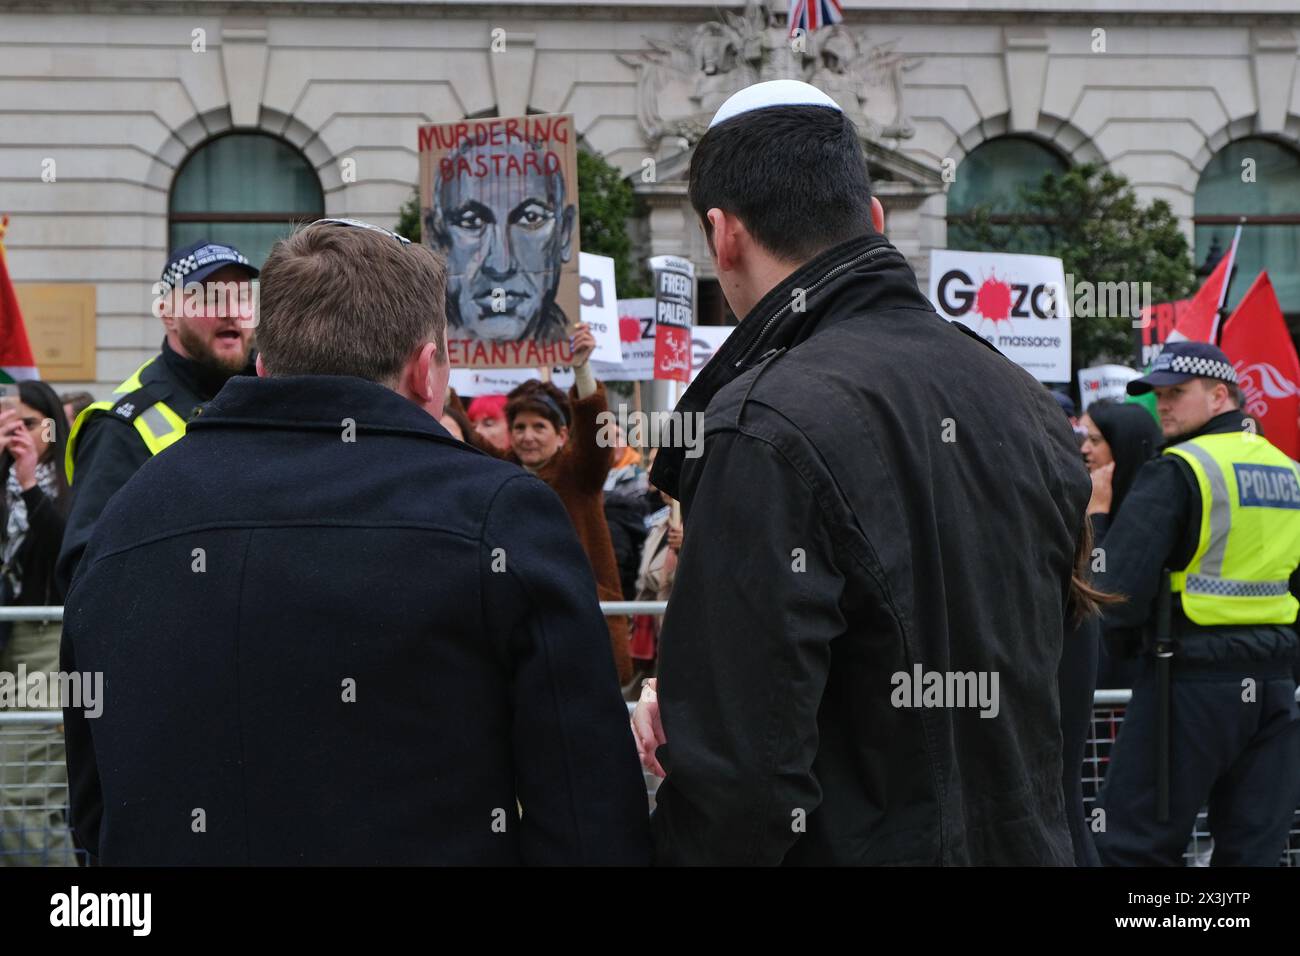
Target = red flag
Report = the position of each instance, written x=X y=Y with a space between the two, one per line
x=16 y=362
x=1200 y=319
x=1257 y=342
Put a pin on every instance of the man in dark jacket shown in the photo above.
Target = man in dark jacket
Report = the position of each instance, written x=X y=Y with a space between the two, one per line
x=859 y=655
x=330 y=632
x=205 y=301
x=1220 y=509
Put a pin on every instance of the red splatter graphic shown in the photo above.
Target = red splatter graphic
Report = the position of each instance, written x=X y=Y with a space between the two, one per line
x=993 y=300
x=629 y=329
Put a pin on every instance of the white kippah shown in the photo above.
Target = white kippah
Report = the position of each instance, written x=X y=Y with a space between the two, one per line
x=772 y=93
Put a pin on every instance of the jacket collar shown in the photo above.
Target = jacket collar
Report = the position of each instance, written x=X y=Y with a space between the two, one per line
x=834 y=290
x=319 y=403
x=201 y=381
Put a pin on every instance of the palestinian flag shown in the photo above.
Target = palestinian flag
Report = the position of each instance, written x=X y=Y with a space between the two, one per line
x=16 y=362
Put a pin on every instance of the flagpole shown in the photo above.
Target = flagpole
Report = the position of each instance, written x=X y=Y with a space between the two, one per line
x=636 y=408
x=1227 y=281
x=674 y=396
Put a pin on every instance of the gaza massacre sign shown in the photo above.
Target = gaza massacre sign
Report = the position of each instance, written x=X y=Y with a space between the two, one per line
x=1018 y=303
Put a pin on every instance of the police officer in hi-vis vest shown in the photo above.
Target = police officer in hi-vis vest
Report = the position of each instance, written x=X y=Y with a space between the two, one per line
x=1220 y=511
x=204 y=299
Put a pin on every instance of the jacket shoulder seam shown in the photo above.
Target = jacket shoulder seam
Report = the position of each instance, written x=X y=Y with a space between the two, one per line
x=831 y=481
x=273 y=525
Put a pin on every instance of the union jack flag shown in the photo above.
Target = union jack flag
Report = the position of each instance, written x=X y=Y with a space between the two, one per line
x=811 y=15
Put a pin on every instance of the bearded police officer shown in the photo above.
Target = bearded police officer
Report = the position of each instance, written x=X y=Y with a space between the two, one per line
x=1220 y=510
x=204 y=299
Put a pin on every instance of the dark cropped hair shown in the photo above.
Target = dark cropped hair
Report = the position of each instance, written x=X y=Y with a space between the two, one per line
x=539 y=398
x=796 y=177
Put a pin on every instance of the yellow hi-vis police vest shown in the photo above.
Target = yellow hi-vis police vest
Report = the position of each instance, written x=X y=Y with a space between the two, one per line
x=157 y=423
x=1250 y=531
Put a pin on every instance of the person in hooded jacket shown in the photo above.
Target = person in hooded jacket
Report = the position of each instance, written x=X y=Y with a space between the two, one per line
x=1121 y=438
x=1112 y=466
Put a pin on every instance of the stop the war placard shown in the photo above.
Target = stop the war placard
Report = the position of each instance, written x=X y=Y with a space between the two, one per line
x=1018 y=303
x=469 y=382
x=499 y=198
x=1104 y=382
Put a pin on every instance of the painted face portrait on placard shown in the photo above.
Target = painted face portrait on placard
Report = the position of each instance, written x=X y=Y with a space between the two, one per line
x=502 y=217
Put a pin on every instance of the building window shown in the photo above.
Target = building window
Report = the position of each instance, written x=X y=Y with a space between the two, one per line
x=991 y=176
x=1259 y=179
x=246 y=190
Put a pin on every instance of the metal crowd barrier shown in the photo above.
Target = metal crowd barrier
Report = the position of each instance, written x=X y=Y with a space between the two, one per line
x=33 y=790
x=37 y=613
x=30 y=739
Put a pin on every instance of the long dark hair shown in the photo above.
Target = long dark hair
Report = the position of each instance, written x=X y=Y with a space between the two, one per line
x=46 y=401
x=1133 y=437
x=1084 y=600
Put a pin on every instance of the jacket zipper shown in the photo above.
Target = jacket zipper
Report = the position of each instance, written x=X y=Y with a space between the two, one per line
x=869 y=254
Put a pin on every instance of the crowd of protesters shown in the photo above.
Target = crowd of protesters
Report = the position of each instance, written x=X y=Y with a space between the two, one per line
x=1116 y=439
x=624 y=525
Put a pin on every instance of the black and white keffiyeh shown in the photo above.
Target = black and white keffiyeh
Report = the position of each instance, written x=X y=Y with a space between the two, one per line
x=16 y=525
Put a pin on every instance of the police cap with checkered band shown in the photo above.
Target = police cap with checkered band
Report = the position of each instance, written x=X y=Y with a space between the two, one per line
x=197 y=261
x=1181 y=361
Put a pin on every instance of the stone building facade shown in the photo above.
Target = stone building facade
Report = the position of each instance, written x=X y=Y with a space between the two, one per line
x=129 y=125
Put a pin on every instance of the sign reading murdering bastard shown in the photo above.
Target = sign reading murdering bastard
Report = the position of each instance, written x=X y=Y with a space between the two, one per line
x=499 y=198
x=1019 y=303
x=674 y=316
